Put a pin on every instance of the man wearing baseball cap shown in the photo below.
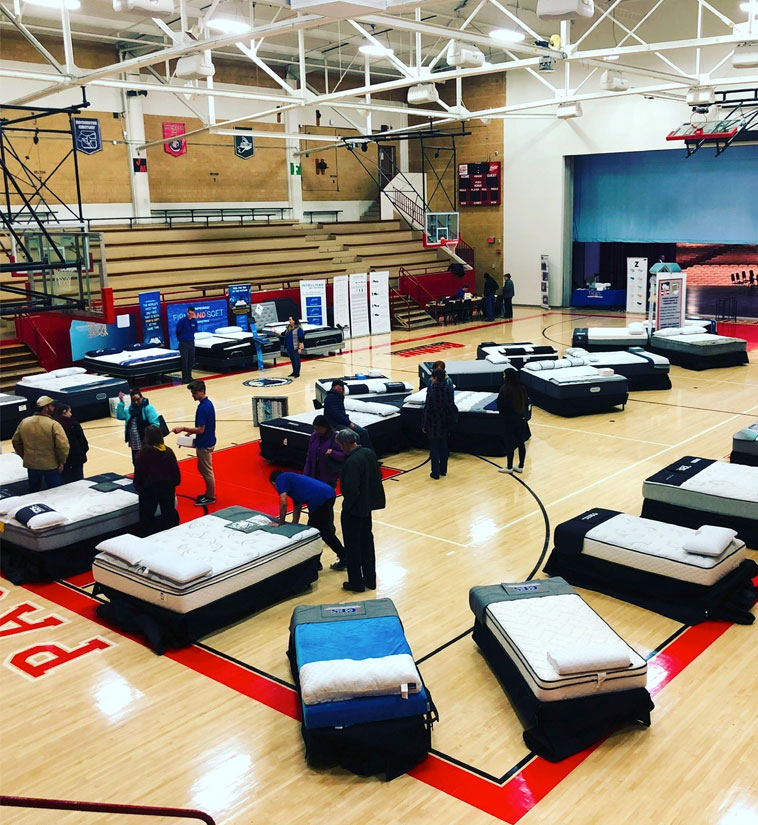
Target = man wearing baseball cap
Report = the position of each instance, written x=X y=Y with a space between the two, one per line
x=42 y=444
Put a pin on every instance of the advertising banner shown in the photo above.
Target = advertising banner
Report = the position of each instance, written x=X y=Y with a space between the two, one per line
x=210 y=315
x=341 y=304
x=313 y=302
x=359 y=318
x=87 y=335
x=670 y=303
x=239 y=304
x=150 y=310
x=178 y=146
x=87 y=137
x=379 y=300
x=636 y=285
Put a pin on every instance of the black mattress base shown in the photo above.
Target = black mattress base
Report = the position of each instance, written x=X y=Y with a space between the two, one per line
x=217 y=364
x=164 y=629
x=737 y=457
x=654 y=381
x=691 y=361
x=9 y=421
x=293 y=454
x=729 y=599
x=556 y=730
x=570 y=407
x=747 y=529
x=130 y=373
x=391 y=747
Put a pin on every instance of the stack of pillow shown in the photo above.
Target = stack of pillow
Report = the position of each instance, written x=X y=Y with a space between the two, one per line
x=710 y=541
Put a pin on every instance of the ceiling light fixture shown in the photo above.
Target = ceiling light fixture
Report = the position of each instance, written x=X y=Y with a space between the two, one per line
x=71 y=5
x=507 y=35
x=375 y=50
x=612 y=57
x=228 y=25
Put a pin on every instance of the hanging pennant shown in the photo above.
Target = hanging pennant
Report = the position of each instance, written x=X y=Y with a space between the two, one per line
x=87 y=137
x=178 y=146
x=244 y=147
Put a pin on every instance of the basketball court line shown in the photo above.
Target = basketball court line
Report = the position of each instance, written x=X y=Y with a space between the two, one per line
x=534 y=423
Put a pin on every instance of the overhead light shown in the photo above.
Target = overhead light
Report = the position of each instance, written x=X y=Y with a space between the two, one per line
x=228 y=25
x=71 y=5
x=507 y=35
x=464 y=56
x=375 y=50
x=746 y=7
x=745 y=56
x=701 y=96
x=143 y=8
x=564 y=9
x=611 y=57
x=568 y=110
x=613 y=81
x=423 y=93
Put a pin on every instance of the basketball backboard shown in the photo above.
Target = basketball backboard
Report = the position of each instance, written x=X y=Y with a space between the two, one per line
x=441 y=229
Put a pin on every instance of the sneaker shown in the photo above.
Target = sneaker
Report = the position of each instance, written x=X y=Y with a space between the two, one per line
x=203 y=500
x=353 y=588
x=338 y=565
x=518 y=469
x=431 y=475
x=508 y=470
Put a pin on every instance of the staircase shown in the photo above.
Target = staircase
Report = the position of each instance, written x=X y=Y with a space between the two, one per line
x=16 y=361
x=373 y=213
x=407 y=314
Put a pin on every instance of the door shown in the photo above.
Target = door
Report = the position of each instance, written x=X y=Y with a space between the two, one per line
x=387 y=164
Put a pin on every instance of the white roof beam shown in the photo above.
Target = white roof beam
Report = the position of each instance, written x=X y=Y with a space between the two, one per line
x=251 y=51
x=22 y=29
x=645 y=72
x=453 y=37
x=660 y=56
x=520 y=23
x=396 y=62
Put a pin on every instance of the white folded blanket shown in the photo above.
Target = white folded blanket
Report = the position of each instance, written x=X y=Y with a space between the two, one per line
x=335 y=680
x=180 y=569
x=710 y=541
x=589 y=659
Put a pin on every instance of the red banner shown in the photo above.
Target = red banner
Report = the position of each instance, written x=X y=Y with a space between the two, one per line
x=178 y=146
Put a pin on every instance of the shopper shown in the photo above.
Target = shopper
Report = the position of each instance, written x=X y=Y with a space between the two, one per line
x=140 y=415
x=185 y=334
x=437 y=419
x=514 y=409
x=508 y=293
x=293 y=343
x=156 y=477
x=488 y=291
x=73 y=469
x=205 y=440
x=42 y=444
x=440 y=365
x=324 y=458
x=334 y=410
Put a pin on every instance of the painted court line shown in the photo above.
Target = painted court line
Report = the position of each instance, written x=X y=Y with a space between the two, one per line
x=601 y=435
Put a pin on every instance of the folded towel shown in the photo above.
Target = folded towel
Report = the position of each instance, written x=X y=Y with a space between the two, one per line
x=589 y=658
x=126 y=547
x=169 y=565
x=710 y=541
x=606 y=372
x=335 y=680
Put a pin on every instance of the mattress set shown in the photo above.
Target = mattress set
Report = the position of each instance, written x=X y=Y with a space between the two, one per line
x=479 y=430
x=374 y=386
x=659 y=566
x=474 y=376
x=364 y=703
x=570 y=387
x=232 y=348
x=182 y=583
x=695 y=491
x=285 y=440
x=14 y=480
x=642 y=370
x=570 y=676
x=745 y=446
x=515 y=354
x=607 y=339
x=85 y=393
x=52 y=533
x=134 y=361
x=693 y=348
x=318 y=340
x=13 y=408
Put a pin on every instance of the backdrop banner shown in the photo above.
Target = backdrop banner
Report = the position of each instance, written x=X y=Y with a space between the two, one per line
x=379 y=299
x=87 y=137
x=342 y=304
x=210 y=316
x=359 y=318
x=545 y=279
x=313 y=302
x=150 y=311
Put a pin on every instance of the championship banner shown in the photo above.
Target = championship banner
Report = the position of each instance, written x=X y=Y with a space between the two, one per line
x=87 y=138
x=341 y=304
x=178 y=146
x=636 y=285
x=359 y=317
x=239 y=304
x=150 y=310
x=244 y=146
x=210 y=315
x=379 y=300
x=670 y=303
x=313 y=302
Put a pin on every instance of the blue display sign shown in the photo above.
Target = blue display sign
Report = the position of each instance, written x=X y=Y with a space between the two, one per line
x=150 y=310
x=239 y=304
x=87 y=137
x=258 y=347
x=210 y=315
x=86 y=336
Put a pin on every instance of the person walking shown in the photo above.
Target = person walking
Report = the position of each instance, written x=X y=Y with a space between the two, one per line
x=362 y=492
x=42 y=444
x=205 y=440
x=140 y=415
x=78 y=446
x=185 y=334
x=513 y=406
x=324 y=458
x=436 y=420
x=293 y=343
x=508 y=293
x=334 y=410
x=156 y=477
x=319 y=498
x=488 y=291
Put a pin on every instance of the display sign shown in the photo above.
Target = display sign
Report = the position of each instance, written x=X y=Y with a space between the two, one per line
x=177 y=146
x=379 y=302
x=479 y=184
x=636 y=285
x=258 y=343
x=210 y=315
x=150 y=310
x=244 y=146
x=670 y=300
x=313 y=302
x=545 y=280
x=359 y=318
x=87 y=137
x=342 y=304
x=239 y=304
x=88 y=335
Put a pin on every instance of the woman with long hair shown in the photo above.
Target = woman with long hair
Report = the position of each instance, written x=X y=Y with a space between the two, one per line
x=436 y=420
x=73 y=469
x=156 y=477
x=513 y=406
x=293 y=343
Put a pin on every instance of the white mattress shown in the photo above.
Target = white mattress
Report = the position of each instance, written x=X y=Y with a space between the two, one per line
x=68 y=382
x=362 y=419
x=238 y=560
x=13 y=401
x=696 y=338
x=656 y=547
x=615 y=333
x=123 y=358
x=212 y=340
x=235 y=335
x=11 y=469
x=375 y=386
x=465 y=400
x=575 y=375
x=528 y=628
x=611 y=359
x=498 y=354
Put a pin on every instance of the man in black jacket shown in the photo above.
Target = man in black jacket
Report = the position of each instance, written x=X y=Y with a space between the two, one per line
x=334 y=410
x=489 y=289
x=508 y=293
x=362 y=492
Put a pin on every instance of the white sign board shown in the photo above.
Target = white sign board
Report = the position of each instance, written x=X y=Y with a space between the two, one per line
x=313 y=302
x=341 y=304
x=544 y=280
x=636 y=285
x=379 y=300
x=670 y=299
x=359 y=319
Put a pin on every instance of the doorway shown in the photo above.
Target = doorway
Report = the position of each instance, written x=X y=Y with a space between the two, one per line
x=387 y=164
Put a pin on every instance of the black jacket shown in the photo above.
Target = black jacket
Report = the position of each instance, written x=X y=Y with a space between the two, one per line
x=490 y=285
x=77 y=442
x=361 y=484
x=334 y=410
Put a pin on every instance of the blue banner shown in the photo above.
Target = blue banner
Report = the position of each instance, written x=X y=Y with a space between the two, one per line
x=258 y=348
x=150 y=310
x=210 y=315
x=86 y=336
x=87 y=137
x=239 y=304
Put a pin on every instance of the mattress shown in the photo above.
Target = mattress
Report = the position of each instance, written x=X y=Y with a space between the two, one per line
x=642 y=370
x=87 y=394
x=373 y=386
x=515 y=354
x=84 y=382
x=729 y=490
x=475 y=376
x=532 y=619
x=132 y=363
x=574 y=390
x=13 y=475
x=234 y=559
x=704 y=344
x=745 y=443
x=318 y=339
x=13 y=408
x=608 y=337
x=219 y=345
x=89 y=512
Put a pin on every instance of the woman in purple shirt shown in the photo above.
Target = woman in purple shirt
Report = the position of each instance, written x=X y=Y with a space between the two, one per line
x=325 y=457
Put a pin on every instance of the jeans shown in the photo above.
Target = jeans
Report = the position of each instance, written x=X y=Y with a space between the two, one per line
x=295 y=359
x=521 y=456
x=323 y=520
x=363 y=435
x=489 y=307
x=438 y=452
x=50 y=478
x=205 y=468
x=163 y=495
x=187 y=354
x=359 y=550
x=73 y=473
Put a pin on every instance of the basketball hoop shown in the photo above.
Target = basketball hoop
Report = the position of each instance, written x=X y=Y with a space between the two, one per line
x=62 y=280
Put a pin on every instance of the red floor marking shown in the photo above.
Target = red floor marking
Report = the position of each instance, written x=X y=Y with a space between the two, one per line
x=508 y=802
x=81 y=579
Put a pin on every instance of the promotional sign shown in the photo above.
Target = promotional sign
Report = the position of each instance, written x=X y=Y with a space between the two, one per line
x=545 y=280
x=359 y=319
x=379 y=300
x=210 y=315
x=244 y=147
x=313 y=302
x=258 y=347
x=341 y=304
x=636 y=285
x=87 y=137
x=178 y=146
x=239 y=304
x=86 y=336
x=150 y=310
x=670 y=303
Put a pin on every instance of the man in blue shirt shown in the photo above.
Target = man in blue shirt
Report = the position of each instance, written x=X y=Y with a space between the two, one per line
x=334 y=410
x=319 y=498
x=205 y=440
x=185 y=334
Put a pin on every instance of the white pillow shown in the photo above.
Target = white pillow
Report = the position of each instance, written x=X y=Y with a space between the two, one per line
x=416 y=398
x=691 y=329
x=177 y=568
x=577 y=360
x=42 y=520
x=560 y=363
x=200 y=335
x=375 y=374
x=355 y=405
x=667 y=332
x=636 y=328
x=222 y=330
x=7 y=505
x=34 y=379
x=535 y=366
x=65 y=371
x=576 y=351
x=127 y=547
x=710 y=540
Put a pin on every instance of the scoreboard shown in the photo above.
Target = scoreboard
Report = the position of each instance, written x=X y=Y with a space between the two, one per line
x=479 y=184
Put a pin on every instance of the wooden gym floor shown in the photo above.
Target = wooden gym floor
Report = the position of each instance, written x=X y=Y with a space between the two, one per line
x=213 y=727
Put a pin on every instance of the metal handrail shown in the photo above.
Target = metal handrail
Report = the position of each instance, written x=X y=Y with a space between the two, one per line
x=104 y=808
x=395 y=294
x=403 y=273
x=405 y=204
x=39 y=335
x=465 y=252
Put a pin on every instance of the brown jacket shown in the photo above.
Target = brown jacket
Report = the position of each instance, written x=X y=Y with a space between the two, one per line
x=41 y=442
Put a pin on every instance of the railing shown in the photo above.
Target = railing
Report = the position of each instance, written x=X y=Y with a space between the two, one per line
x=408 y=306
x=104 y=808
x=465 y=252
x=407 y=206
x=48 y=357
x=409 y=284
x=727 y=309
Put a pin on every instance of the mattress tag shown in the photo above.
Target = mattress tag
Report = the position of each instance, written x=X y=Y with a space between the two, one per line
x=404 y=690
x=2 y=526
x=343 y=610
x=533 y=587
